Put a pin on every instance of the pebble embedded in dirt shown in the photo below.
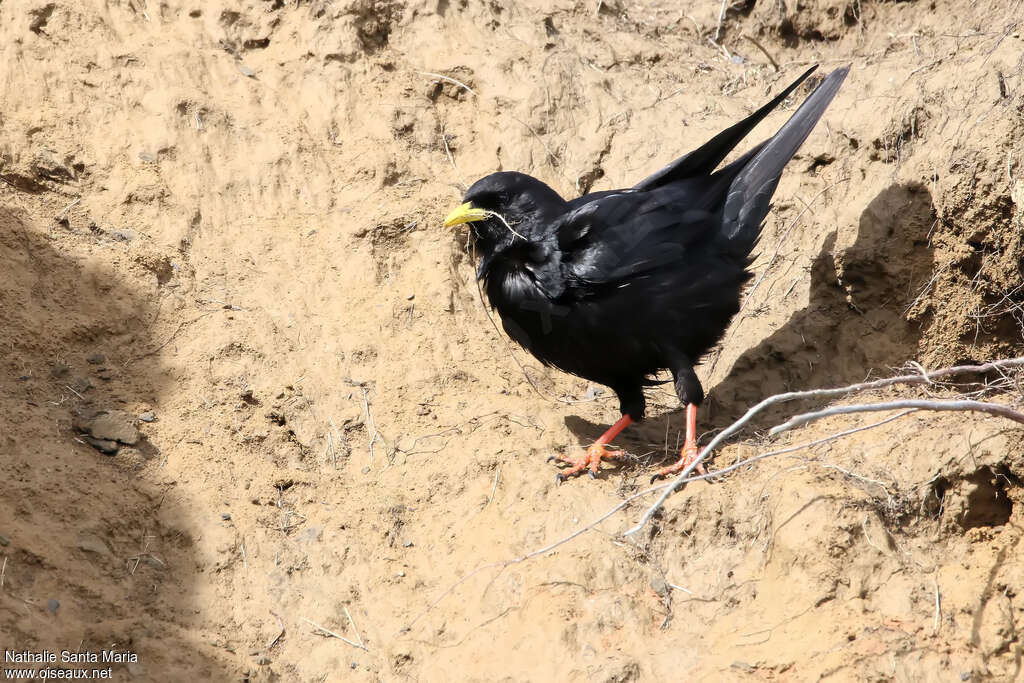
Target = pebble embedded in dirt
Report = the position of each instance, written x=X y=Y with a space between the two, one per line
x=115 y=426
x=103 y=445
x=107 y=430
x=96 y=359
x=93 y=544
x=81 y=384
x=148 y=416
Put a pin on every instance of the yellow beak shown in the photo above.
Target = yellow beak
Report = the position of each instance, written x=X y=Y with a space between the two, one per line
x=467 y=213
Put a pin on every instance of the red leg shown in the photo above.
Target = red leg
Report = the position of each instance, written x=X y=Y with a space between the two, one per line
x=595 y=453
x=689 y=452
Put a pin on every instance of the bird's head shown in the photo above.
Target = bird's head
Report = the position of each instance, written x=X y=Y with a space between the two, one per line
x=504 y=209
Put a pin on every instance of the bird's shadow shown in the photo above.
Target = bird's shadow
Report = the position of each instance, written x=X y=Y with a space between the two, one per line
x=855 y=325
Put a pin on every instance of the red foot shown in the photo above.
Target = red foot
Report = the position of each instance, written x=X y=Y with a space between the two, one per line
x=590 y=462
x=688 y=455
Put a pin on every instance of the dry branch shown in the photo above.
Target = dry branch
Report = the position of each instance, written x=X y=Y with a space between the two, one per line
x=976 y=406
x=918 y=378
x=331 y=634
x=449 y=79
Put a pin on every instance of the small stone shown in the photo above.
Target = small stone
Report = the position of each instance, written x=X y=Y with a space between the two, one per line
x=4 y=541
x=52 y=605
x=407 y=544
x=400 y=574
x=93 y=544
x=114 y=426
x=246 y=71
x=147 y=157
x=81 y=384
x=659 y=585
x=59 y=370
x=226 y=516
x=96 y=359
x=365 y=470
x=410 y=297
x=148 y=416
x=105 y=446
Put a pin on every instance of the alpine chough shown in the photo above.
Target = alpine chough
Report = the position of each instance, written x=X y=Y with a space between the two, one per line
x=617 y=285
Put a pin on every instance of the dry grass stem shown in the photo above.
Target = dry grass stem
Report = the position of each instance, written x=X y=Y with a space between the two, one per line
x=328 y=632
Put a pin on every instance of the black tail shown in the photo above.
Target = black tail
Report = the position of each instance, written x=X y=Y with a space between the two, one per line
x=750 y=194
x=704 y=160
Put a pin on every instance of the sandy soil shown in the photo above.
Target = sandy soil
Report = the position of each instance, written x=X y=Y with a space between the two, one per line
x=222 y=258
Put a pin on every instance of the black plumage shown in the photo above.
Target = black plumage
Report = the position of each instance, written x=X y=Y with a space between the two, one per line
x=616 y=286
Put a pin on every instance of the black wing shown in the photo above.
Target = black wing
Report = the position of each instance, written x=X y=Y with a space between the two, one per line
x=625 y=235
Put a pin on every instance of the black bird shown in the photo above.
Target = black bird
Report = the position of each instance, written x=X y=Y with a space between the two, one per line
x=618 y=285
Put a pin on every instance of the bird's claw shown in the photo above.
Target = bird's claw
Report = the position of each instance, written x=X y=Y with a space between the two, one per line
x=686 y=457
x=590 y=462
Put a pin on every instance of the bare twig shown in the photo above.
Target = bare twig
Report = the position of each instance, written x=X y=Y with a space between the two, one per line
x=759 y=46
x=332 y=634
x=916 y=378
x=799 y=447
x=448 y=151
x=354 y=629
x=494 y=487
x=273 y=641
x=975 y=406
x=330 y=440
x=721 y=18
x=371 y=427
x=449 y=79
x=721 y=47
x=68 y=208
